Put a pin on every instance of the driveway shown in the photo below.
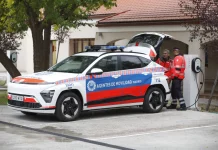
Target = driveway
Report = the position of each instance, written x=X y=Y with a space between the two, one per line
x=125 y=128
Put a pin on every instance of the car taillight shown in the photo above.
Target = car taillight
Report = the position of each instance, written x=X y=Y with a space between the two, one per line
x=9 y=96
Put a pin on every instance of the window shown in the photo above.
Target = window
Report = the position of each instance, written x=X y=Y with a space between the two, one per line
x=146 y=38
x=138 y=39
x=52 y=57
x=78 y=45
x=130 y=62
x=107 y=64
x=73 y=64
x=145 y=61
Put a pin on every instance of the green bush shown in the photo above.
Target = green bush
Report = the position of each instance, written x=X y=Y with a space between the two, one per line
x=3 y=98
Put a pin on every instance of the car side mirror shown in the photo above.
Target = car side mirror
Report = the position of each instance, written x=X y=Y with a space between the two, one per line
x=96 y=71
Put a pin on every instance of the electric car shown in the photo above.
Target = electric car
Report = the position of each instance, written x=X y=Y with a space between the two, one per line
x=91 y=80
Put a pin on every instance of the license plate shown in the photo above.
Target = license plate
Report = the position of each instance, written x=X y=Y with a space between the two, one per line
x=16 y=98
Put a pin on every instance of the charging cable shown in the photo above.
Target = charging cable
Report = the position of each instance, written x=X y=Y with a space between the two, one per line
x=199 y=90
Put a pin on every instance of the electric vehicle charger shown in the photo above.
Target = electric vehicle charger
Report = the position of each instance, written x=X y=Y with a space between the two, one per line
x=199 y=89
x=196 y=68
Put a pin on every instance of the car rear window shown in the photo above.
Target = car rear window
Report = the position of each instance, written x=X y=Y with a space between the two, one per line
x=145 y=38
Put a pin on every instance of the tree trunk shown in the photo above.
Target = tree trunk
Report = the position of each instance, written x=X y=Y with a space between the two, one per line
x=41 y=47
x=37 y=48
x=58 y=51
x=8 y=64
x=46 y=46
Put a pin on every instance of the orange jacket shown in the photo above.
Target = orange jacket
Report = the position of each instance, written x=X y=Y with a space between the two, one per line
x=167 y=66
x=178 y=67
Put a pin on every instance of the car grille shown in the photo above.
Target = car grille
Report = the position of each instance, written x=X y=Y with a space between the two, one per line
x=24 y=104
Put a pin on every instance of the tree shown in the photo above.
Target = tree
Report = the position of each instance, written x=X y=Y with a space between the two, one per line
x=41 y=15
x=8 y=40
x=60 y=34
x=204 y=13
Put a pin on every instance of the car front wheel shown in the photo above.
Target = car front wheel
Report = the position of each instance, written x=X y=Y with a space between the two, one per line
x=68 y=107
x=154 y=100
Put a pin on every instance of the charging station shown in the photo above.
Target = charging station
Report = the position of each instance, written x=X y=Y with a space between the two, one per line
x=190 y=83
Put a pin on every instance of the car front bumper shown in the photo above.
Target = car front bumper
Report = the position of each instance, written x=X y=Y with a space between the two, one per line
x=38 y=110
x=35 y=103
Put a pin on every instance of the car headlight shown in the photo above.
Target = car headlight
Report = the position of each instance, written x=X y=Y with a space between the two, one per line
x=47 y=95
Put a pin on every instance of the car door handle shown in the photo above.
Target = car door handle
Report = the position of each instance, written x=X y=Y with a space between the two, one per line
x=116 y=76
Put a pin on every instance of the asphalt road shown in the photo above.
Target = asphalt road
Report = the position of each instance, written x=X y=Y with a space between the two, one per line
x=126 y=128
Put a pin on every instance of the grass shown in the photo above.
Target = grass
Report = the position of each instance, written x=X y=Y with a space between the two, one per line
x=3 y=98
x=213 y=109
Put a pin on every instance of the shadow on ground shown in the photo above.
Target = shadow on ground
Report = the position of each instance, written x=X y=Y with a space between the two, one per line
x=86 y=115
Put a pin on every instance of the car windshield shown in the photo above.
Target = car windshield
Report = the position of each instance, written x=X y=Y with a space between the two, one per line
x=73 y=64
x=145 y=38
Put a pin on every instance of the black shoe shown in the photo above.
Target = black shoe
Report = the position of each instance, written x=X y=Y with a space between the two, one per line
x=182 y=107
x=172 y=106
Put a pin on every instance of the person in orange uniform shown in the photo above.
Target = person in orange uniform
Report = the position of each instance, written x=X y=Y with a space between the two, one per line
x=166 y=62
x=178 y=74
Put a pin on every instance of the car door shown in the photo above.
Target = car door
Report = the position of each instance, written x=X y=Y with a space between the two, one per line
x=137 y=80
x=101 y=90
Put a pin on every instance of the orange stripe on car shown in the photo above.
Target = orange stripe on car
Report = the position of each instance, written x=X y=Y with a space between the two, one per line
x=28 y=80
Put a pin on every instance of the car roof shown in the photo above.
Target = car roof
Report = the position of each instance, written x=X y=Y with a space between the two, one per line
x=99 y=53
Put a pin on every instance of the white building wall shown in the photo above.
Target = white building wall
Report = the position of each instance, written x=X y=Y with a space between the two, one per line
x=123 y=42
x=25 y=56
x=28 y=47
x=80 y=33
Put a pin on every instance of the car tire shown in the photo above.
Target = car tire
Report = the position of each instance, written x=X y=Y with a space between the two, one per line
x=29 y=113
x=68 y=107
x=153 y=100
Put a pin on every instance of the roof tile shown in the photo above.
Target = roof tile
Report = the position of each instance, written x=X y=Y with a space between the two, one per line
x=143 y=10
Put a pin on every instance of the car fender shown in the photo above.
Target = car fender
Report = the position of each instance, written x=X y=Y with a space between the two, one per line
x=67 y=87
x=160 y=80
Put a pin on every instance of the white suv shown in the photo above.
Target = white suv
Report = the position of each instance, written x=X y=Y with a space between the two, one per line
x=91 y=80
